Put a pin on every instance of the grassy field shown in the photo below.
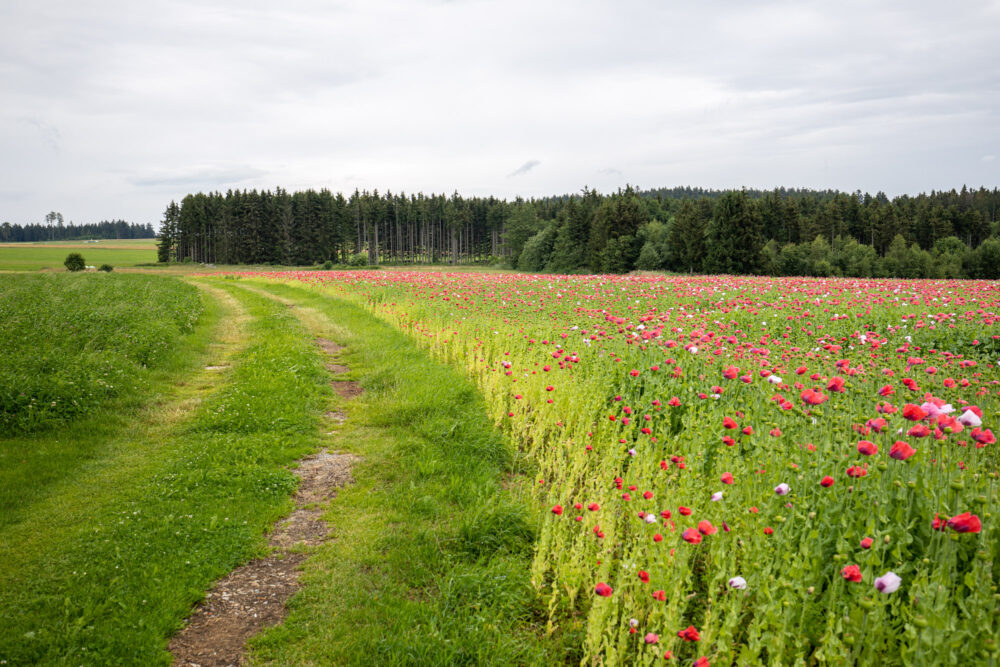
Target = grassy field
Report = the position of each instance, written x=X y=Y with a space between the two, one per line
x=99 y=565
x=117 y=519
x=50 y=255
x=72 y=341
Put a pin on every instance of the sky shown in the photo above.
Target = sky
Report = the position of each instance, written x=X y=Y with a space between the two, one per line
x=110 y=110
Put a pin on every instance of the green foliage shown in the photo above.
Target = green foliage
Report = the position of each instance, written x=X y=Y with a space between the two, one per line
x=327 y=265
x=73 y=341
x=521 y=226
x=569 y=251
x=106 y=268
x=74 y=262
x=686 y=237
x=537 y=250
x=649 y=259
x=358 y=259
x=612 y=246
x=734 y=236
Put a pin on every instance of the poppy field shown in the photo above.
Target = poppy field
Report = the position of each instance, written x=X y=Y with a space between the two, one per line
x=738 y=470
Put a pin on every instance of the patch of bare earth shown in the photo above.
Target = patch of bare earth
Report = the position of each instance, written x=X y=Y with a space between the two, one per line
x=329 y=346
x=253 y=597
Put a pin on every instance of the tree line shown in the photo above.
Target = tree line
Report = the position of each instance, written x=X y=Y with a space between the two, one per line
x=781 y=232
x=55 y=230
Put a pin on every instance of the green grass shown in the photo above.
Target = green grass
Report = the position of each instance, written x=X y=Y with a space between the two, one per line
x=101 y=565
x=72 y=341
x=430 y=559
x=50 y=255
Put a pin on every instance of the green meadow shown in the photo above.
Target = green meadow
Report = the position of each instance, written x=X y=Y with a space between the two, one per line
x=50 y=255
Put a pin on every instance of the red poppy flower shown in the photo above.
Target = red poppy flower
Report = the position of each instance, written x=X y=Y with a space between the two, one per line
x=851 y=573
x=684 y=511
x=689 y=634
x=826 y=481
x=866 y=543
x=692 y=536
x=867 y=448
x=813 y=397
x=644 y=576
x=557 y=510
x=603 y=589
x=727 y=478
x=728 y=422
x=660 y=595
x=914 y=412
x=965 y=523
x=918 y=431
x=901 y=450
x=706 y=528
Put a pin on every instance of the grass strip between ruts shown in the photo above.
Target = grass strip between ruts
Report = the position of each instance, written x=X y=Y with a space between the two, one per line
x=430 y=554
x=104 y=567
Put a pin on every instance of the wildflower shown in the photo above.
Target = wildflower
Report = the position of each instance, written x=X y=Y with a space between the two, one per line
x=701 y=662
x=813 y=397
x=660 y=595
x=728 y=422
x=867 y=448
x=692 y=536
x=866 y=543
x=918 y=431
x=717 y=496
x=644 y=576
x=689 y=634
x=888 y=583
x=651 y=638
x=603 y=589
x=851 y=573
x=706 y=528
x=826 y=481
x=913 y=412
x=901 y=450
x=965 y=523
x=727 y=478
x=739 y=583
x=983 y=436
x=782 y=489
x=768 y=530
x=684 y=511
x=557 y=510
x=970 y=418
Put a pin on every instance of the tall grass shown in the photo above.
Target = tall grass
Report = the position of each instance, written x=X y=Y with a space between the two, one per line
x=73 y=341
x=104 y=567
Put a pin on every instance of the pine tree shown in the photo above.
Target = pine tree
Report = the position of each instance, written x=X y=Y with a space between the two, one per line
x=734 y=236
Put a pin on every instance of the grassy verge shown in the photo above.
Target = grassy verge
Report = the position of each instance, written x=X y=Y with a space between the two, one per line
x=104 y=567
x=430 y=559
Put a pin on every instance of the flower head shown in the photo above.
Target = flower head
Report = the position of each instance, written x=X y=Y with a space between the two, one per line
x=888 y=583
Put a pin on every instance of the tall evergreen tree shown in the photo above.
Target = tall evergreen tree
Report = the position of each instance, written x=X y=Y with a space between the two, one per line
x=734 y=238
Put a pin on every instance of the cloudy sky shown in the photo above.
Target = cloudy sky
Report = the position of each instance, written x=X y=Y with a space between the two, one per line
x=111 y=109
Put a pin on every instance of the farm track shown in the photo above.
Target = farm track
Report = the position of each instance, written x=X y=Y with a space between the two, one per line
x=254 y=596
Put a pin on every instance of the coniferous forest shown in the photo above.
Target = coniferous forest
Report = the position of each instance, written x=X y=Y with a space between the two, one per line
x=943 y=234
x=57 y=231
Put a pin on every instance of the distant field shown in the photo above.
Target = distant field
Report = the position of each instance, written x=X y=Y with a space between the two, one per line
x=35 y=256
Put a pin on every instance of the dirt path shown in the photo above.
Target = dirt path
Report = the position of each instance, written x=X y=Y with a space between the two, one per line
x=253 y=597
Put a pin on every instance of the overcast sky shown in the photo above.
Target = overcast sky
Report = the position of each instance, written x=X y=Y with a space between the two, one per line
x=111 y=109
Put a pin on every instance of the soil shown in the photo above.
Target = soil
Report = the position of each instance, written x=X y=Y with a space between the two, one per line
x=329 y=346
x=347 y=389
